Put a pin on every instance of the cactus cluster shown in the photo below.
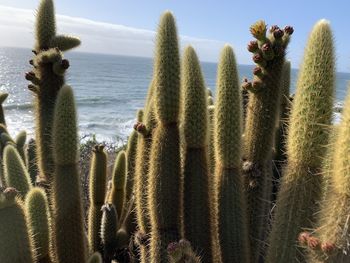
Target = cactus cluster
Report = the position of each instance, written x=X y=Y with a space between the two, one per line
x=197 y=178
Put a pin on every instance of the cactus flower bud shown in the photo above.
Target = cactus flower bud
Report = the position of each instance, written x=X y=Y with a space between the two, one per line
x=65 y=64
x=278 y=34
x=257 y=71
x=253 y=46
x=288 y=30
x=273 y=28
x=30 y=75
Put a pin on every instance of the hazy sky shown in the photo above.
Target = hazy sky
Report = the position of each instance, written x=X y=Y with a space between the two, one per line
x=127 y=27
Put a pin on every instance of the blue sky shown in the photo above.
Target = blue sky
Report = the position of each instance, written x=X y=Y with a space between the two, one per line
x=206 y=24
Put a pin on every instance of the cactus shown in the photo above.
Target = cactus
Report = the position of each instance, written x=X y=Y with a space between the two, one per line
x=308 y=134
x=3 y=97
x=20 y=141
x=182 y=252
x=117 y=196
x=95 y=258
x=332 y=232
x=38 y=215
x=262 y=112
x=32 y=160
x=131 y=160
x=197 y=206
x=69 y=237
x=15 y=241
x=15 y=172
x=233 y=231
x=211 y=149
x=108 y=231
x=281 y=132
x=164 y=175
x=47 y=79
x=97 y=192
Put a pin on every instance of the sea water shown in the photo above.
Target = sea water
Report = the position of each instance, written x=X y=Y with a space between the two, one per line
x=109 y=89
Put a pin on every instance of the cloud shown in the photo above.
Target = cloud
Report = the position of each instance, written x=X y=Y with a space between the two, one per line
x=17 y=29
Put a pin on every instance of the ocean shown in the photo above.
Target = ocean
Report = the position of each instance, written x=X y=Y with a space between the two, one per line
x=109 y=89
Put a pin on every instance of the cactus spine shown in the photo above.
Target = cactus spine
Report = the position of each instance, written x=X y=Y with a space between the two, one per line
x=117 y=196
x=281 y=132
x=98 y=174
x=3 y=97
x=15 y=241
x=332 y=232
x=164 y=176
x=47 y=78
x=38 y=216
x=70 y=240
x=15 y=172
x=233 y=231
x=308 y=134
x=262 y=112
x=108 y=231
x=196 y=198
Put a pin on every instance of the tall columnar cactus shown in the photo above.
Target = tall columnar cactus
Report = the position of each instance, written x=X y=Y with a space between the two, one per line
x=197 y=205
x=15 y=171
x=20 y=141
x=262 y=112
x=47 y=78
x=165 y=175
x=117 y=196
x=332 y=235
x=211 y=148
x=131 y=152
x=95 y=258
x=307 y=136
x=3 y=97
x=181 y=252
x=15 y=241
x=233 y=224
x=69 y=237
x=38 y=216
x=97 y=192
x=282 y=125
x=108 y=231
x=144 y=143
x=32 y=160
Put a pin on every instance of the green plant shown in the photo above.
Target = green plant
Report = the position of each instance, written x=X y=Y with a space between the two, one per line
x=310 y=119
x=69 y=236
x=262 y=112
x=47 y=79
x=233 y=223
x=197 y=205
x=164 y=174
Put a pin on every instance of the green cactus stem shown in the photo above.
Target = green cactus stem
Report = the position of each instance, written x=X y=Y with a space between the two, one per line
x=197 y=205
x=97 y=189
x=164 y=197
x=15 y=241
x=38 y=215
x=3 y=97
x=108 y=231
x=117 y=196
x=262 y=113
x=182 y=252
x=47 y=78
x=69 y=237
x=308 y=134
x=15 y=171
x=233 y=226
x=32 y=160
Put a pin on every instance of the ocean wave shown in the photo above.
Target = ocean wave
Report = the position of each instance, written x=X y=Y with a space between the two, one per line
x=18 y=106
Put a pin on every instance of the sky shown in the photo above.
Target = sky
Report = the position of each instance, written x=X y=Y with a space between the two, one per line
x=127 y=27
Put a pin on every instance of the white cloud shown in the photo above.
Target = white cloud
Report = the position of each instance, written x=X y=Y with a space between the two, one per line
x=17 y=29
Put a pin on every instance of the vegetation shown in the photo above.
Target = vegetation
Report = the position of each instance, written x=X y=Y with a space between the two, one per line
x=195 y=181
